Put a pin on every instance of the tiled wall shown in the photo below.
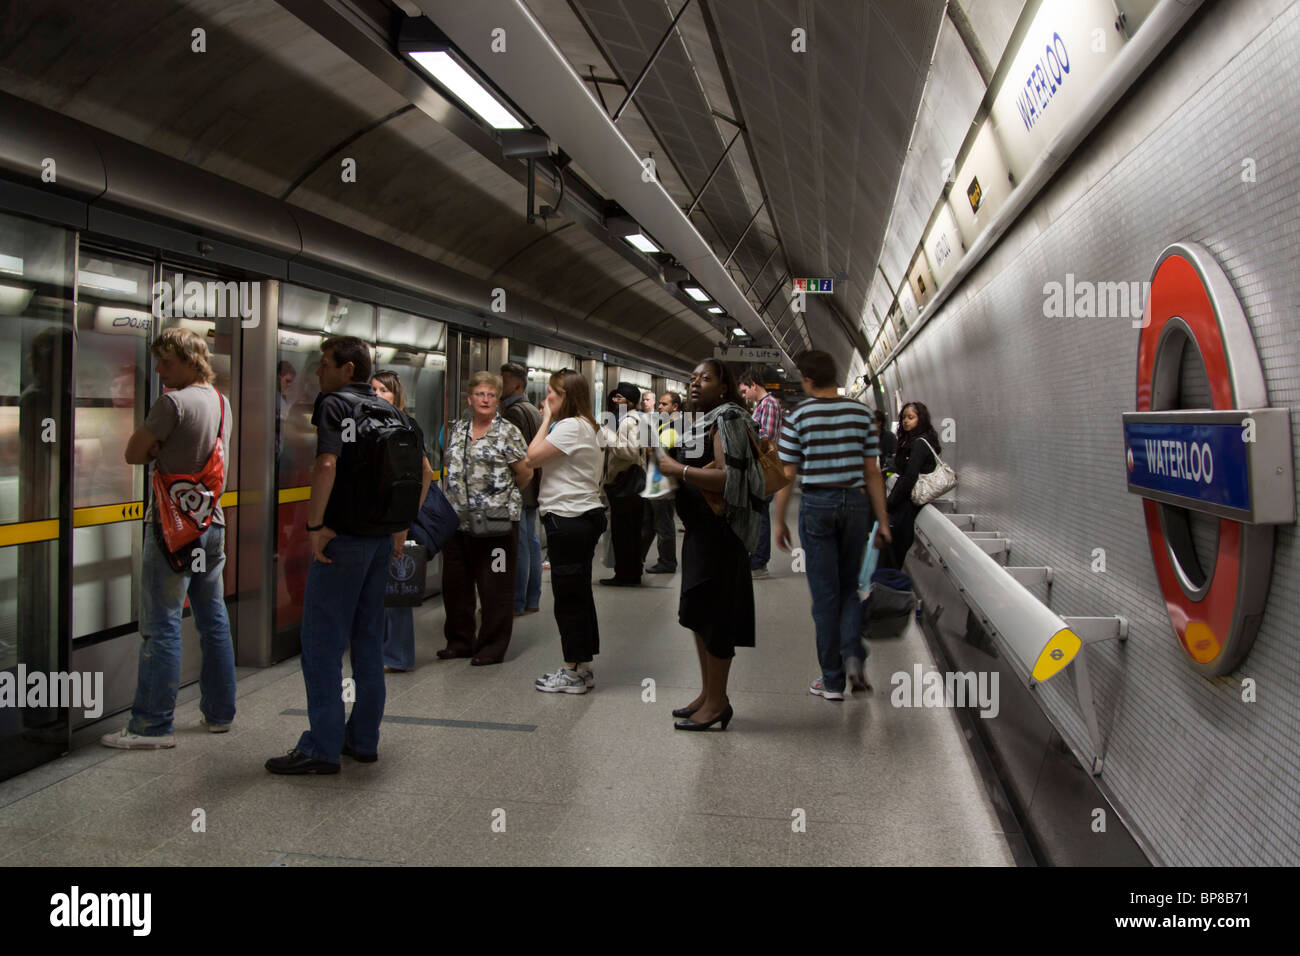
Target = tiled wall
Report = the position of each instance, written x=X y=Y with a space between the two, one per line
x=1204 y=777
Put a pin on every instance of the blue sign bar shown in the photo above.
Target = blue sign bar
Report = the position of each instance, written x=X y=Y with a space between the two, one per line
x=1205 y=463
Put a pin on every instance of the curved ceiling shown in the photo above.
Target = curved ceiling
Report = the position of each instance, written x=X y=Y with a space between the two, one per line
x=273 y=105
x=282 y=95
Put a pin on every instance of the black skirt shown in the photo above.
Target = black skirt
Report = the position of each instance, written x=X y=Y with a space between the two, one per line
x=717 y=599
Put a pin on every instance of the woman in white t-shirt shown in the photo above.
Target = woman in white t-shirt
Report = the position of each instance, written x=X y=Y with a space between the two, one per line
x=569 y=504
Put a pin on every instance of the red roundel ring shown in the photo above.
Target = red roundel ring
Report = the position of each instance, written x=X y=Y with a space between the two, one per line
x=1192 y=304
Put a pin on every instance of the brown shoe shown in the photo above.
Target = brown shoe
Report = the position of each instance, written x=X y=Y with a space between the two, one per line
x=447 y=654
x=482 y=661
x=531 y=610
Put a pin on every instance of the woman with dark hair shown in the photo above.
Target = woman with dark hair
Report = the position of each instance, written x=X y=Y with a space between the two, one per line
x=917 y=447
x=717 y=458
x=624 y=482
x=569 y=504
x=399 y=622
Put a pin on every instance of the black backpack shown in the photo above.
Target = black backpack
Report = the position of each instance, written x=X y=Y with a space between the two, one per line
x=382 y=469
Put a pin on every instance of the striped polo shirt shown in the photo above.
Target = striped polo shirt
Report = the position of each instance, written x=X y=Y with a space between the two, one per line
x=828 y=438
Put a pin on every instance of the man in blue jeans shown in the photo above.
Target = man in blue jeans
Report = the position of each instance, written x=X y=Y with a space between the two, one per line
x=767 y=417
x=829 y=442
x=343 y=607
x=178 y=436
x=527 y=417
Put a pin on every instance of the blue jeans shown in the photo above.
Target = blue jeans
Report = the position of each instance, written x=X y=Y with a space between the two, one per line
x=833 y=528
x=399 y=638
x=344 y=607
x=162 y=599
x=763 y=550
x=528 y=563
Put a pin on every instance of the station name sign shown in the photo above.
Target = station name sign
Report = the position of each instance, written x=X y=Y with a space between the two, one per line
x=1224 y=463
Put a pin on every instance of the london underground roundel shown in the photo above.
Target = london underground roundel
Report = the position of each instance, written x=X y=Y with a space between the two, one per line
x=1215 y=479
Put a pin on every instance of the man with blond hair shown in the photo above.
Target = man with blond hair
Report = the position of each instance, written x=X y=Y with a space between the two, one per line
x=179 y=437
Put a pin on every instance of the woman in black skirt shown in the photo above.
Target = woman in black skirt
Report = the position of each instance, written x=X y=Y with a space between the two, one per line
x=716 y=458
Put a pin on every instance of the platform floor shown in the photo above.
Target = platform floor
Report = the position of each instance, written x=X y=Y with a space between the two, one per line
x=595 y=779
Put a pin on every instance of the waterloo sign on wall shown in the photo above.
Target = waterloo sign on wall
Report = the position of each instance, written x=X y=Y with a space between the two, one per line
x=1231 y=462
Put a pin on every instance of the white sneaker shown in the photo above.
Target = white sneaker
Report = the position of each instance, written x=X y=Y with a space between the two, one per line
x=821 y=691
x=214 y=728
x=563 y=681
x=125 y=740
x=586 y=673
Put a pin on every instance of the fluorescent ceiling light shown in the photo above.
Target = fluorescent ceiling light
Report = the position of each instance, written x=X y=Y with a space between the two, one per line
x=465 y=88
x=11 y=264
x=696 y=293
x=739 y=332
x=642 y=243
x=717 y=310
x=108 y=283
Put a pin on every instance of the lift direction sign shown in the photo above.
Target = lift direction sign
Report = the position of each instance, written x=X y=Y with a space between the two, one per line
x=811 y=286
x=746 y=354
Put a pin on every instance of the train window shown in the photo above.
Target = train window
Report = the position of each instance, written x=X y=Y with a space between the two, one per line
x=414 y=347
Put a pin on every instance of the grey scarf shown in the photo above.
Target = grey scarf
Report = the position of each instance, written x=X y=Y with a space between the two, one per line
x=744 y=493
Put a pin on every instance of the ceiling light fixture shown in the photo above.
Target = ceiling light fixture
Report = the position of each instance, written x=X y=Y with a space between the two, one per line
x=696 y=293
x=458 y=81
x=639 y=241
x=739 y=332
x=717 y=310
x=11 y=264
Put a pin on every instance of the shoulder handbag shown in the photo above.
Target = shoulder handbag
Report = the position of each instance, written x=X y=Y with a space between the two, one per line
x=184 y=505
x=476 y=523
x=769 y=462
x=930 y=486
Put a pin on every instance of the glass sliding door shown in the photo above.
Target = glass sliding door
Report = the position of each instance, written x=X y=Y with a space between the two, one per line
x=37 y=264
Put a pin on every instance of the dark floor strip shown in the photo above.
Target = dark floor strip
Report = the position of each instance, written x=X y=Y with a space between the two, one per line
x=433 y=722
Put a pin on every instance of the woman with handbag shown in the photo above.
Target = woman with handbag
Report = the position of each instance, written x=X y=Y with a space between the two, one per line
x=917 y=454
x=720 y=493
x=485 y=468
x=568 y=451
x=399 y=622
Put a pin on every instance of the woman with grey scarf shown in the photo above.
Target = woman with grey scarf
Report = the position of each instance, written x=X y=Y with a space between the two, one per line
x=716 y=458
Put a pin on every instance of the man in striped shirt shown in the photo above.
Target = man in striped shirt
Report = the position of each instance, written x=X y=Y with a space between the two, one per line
x=830 y=442
x=767 y=416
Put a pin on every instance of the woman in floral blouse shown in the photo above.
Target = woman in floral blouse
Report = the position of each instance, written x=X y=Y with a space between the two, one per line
x=484 y=466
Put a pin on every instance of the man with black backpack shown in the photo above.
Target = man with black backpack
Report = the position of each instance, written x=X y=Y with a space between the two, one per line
x=366 y=487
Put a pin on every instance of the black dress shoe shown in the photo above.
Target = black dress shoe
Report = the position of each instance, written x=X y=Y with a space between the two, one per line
x=621 y=582
x=447 y=654
x=724 y=718
x=682 y=712
x=483 y=661
x=660 y=569
x=359 y=758
x=296 y=762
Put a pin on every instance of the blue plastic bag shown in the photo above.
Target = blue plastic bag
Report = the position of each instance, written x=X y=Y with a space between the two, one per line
x=436 y=522
x=869 y=560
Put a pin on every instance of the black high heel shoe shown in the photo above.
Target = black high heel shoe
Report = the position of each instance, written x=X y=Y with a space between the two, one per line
x=724 y=718
x=682 y=712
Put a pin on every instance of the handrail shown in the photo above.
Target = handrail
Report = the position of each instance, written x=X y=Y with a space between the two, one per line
x=1042 y=642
